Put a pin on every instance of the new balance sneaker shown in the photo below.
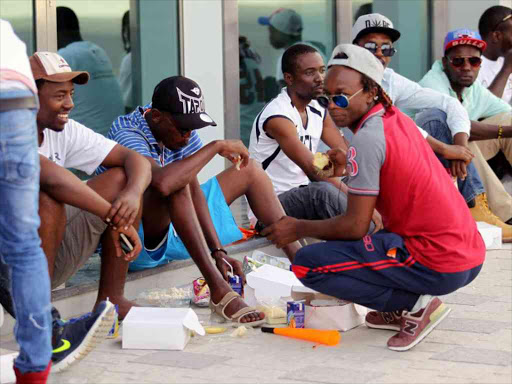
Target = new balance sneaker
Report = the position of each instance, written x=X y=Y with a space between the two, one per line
x=384 y=320
x=414 y=327
x=72 y=341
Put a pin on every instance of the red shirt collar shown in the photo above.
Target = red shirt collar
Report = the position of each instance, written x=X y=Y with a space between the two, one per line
x=377 y=109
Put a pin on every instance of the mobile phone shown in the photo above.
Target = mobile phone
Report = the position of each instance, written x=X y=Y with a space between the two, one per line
x=126 y=246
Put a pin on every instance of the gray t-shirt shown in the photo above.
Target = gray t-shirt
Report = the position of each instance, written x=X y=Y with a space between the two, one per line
x=365 y=157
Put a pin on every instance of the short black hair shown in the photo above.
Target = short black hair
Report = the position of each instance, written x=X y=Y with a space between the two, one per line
x=289 y=60
x=67 y=20
x=491 y=18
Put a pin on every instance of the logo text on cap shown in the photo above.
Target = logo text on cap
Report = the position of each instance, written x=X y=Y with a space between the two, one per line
x=376 y=23
x=190 y=104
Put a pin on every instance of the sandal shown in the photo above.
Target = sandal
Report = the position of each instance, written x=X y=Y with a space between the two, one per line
x=218 y=311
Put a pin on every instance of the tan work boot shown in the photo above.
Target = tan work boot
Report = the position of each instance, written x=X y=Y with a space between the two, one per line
x=481 y=212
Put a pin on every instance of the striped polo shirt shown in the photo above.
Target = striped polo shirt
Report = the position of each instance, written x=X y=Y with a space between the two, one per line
x=133 y=132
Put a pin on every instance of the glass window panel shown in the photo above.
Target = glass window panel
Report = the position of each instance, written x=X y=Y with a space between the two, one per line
x=260 y=53
x=413 y=19
x=89 y=38
x=20 y=13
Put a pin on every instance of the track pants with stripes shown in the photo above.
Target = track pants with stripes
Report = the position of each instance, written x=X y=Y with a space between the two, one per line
x=377 y=272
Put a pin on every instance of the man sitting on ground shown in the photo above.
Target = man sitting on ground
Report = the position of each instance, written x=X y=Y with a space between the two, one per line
x=435 y=251
x=285 y=136
x=412 y=98
x=165 y=133
x=455 y=75
x=75 y=215
x=71 y=224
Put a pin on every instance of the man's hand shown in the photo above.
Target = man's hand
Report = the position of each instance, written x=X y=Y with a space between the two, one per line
x=234 y=150
x=377 y=220
x=134 y=239
x=458 y=169
x=222 y=260
x=457 y=152
x=282 y=232
x=124 y=210
x=339 y=159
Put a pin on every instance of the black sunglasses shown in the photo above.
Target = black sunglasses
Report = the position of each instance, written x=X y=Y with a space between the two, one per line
x=459 y=61
x=386 y=49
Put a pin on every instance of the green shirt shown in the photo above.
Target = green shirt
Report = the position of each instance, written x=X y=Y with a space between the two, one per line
x=478 y=100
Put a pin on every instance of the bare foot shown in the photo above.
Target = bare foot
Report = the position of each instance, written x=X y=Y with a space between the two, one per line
x=124 y=305
x=235 y=305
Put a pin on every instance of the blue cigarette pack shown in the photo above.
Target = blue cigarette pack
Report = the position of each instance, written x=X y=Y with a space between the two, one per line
x=236 y=284
x=295 y=312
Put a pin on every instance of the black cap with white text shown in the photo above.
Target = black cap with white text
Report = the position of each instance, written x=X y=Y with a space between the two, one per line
x=183 y=98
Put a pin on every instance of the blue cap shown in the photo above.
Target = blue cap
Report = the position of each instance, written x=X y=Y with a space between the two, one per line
x=264 y=20
x=464 y=37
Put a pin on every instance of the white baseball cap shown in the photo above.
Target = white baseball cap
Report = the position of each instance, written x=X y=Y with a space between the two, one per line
x=359 y=59
x=52 y=67
x=284 y=20
x=374 y=23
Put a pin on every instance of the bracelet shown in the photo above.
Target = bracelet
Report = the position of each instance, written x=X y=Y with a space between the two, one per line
x=218 y=250
x=500 y=131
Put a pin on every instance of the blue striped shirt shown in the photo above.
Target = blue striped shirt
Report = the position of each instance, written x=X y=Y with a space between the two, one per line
x=133 y=132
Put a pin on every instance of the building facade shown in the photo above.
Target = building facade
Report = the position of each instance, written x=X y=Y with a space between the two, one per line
x=225 y=46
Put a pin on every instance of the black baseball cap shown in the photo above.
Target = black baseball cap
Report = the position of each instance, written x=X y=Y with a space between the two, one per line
x=183 y=98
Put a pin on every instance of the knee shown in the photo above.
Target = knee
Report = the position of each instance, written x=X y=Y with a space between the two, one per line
x=254 y=170
x=305 y=257
x=49 y=207
x=425 y=118
x=117 y=177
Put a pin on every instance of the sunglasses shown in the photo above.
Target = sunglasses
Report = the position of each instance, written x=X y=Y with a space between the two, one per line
x=386 y=49
x=459 y=61
x=502 y=21
x=341 y=100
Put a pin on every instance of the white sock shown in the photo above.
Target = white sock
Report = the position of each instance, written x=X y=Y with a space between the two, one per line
x=422 y=302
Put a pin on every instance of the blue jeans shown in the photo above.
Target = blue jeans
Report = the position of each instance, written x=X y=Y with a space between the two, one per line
x=434 y=122
x=20 y=246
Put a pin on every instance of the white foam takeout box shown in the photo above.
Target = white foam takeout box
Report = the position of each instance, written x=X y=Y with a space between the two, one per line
x=272 y=284
x=160 y=328
x=491 y=235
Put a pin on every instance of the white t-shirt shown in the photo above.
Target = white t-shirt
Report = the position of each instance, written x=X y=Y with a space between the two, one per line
x=76 y=147
x=283 y=172
x=488 y=72
x=14 y=64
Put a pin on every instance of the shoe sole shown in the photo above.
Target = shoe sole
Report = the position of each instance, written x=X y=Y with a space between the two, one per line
x=424 y=334
x=385 y=327
x=95 y=336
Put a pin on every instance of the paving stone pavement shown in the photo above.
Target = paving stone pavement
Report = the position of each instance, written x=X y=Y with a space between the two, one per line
x=473 y=345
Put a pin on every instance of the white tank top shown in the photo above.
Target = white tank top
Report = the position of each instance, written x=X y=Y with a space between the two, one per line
x=283 y=172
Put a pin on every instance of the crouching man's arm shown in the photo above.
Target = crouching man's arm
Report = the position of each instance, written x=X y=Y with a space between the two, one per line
x=352 y=226
x=61 y=185
x=137 y=168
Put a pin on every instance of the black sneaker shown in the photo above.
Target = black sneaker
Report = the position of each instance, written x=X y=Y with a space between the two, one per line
x=72 y=341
